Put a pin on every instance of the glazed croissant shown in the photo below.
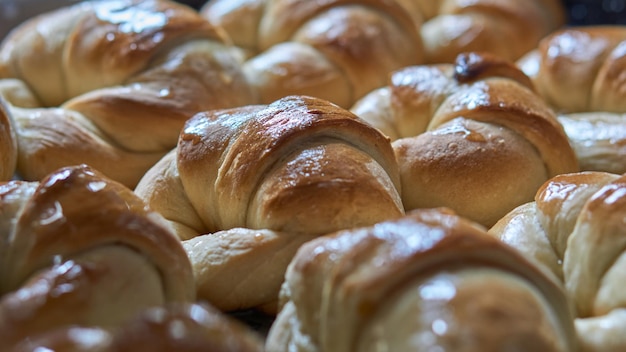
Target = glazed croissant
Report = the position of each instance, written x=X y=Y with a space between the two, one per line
x=428 y=281
x=506 y=28
x=472 y=136
x=579 y=72
x=8 y=145
x=335 y=50
x=110 y=84
x=181 y=327
x=575 y=230
x=79 y=248
x=246 y=186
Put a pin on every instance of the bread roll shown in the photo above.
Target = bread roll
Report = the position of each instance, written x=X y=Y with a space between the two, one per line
x=574 y=230
x=251 y=183
x=472 y=136
x=579 y=72
x=427 y=281
x=506 y=28
x=111 y=83
x=8 y=145
x=79 y=248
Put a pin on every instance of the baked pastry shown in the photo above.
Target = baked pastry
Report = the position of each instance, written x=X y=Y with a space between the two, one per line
x=335 y=50
x=251 y=183
x=428 y=281
x=506 y=28
x=110 y=84
x=79 y=248
x=472 y=136
x=575 y=230
x=182 y=327
x=8 y=145
x=579 y=72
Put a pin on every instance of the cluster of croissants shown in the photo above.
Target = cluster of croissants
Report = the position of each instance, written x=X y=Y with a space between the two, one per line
x=298 y=175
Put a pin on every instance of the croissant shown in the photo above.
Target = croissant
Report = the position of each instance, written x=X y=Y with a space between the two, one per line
x=505 y=28
x=110 y=84
x=8 y=146
x=472 y=136
x=579 y=72
x=79 y=248
x=574 y=230
x=178 y=327
x=249 y=184
x=336 y=50
x=428 y=281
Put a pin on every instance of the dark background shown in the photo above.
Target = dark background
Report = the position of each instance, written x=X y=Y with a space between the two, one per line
x=589 y=12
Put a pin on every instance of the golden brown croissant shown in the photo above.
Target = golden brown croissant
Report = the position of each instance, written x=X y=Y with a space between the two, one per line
x=8 y=145
x=472 y=136
x=506 y=28
x=110 y=83
x=579 y=71
x=181 y=327
x=79 y=248
x=575 y=229
x=335 y=50
x=428 y=281
x=246 y=186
